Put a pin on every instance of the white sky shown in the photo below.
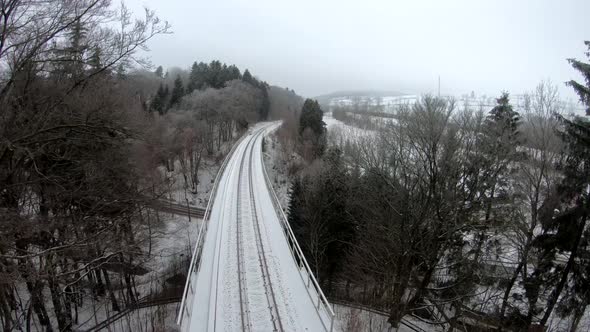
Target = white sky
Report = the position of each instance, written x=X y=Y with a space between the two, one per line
x=317 y=47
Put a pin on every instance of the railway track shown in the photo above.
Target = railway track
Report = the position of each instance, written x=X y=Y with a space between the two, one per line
x=248 y=231
x=269 y=291
x=242 y=279
x=250 y=278
x=179 y=209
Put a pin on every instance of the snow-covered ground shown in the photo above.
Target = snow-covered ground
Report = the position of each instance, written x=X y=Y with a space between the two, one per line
x=170 y=244
x=206 y=175
x=390 y=104
x=387 y=103
x=245 y=231
x=277 y=161
x=150 y=319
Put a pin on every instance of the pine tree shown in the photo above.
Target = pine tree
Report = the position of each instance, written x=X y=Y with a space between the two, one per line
x=77 y=49
x=95 y=59
x=583 y=91
x=158 y=101
x=193 y=78
x=341 y=228
x=295 y=210
x=121 y=71
x=265 y=105
x=159 y=72
x=177 y=92
x=213 y=77
x=294 y=204
x=499 y=142
x=312 y=117
x=247 y=77
x=567 y=232
x=234 y=73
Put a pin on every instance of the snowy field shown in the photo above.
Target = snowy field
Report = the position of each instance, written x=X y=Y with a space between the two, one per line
x=473 y=101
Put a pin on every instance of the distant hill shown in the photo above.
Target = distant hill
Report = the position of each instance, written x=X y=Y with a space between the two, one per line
x=356 y=93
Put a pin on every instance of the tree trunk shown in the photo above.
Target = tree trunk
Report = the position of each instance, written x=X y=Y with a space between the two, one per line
x=114 y=303
x=64 y=319
x=564 y=275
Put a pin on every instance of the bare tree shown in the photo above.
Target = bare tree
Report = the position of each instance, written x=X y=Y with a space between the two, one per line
x=66 y=120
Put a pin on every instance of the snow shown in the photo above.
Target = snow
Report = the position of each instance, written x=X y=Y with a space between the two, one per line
x=276 y=160
x=389 y=104
x=216 y=302
x=358 y=319
x=206 y=174
x=170 y=243
x=156 y=318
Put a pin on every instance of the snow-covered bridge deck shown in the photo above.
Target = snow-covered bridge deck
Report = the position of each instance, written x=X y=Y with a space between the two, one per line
x=248 y=272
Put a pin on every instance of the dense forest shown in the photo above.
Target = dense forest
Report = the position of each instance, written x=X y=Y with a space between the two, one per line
x=89 y=134
x=466 y=217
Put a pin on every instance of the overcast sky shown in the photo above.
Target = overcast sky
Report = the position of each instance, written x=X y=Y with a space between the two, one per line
x=318 y=46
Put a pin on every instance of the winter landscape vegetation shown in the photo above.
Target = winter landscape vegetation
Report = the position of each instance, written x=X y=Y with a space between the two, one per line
x=184 y=190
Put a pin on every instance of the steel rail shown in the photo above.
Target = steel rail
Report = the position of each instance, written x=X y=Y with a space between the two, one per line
x=242 y=281
x=195 y=260
x=270 y=295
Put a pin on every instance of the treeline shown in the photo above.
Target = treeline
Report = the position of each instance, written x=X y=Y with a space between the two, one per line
x=203 y=76
x=450 y=213
x=360 y=120
x=202 y=113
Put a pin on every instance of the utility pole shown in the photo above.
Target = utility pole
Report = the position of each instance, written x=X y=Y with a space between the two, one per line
x=438 y=86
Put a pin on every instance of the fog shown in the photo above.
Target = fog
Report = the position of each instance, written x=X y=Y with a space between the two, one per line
x=318 y=47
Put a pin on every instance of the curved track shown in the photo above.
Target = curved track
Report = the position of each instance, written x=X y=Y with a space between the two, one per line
x=248 y=279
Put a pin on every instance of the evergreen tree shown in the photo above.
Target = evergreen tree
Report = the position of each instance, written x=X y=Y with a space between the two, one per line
x=192 y=78
x=582 y=90
x=295 y=210
x=77 y=49
x=341 y=227
x=159 y=72
x=121 y=71
x=177 y=92
x=197 y=76
x=159 y=100
x=503 y=120
x=223 y=76
x=213 y=76
x=95 y=59
x=247 y=77
x=234 y=73
x=319 y=216
x=265 y=105
x=311 y=124
x=567 y=232
x=312 y=117
x=499 y=142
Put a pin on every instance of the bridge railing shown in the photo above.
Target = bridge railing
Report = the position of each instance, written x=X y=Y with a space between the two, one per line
x=191 y=279
x=320 y=300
